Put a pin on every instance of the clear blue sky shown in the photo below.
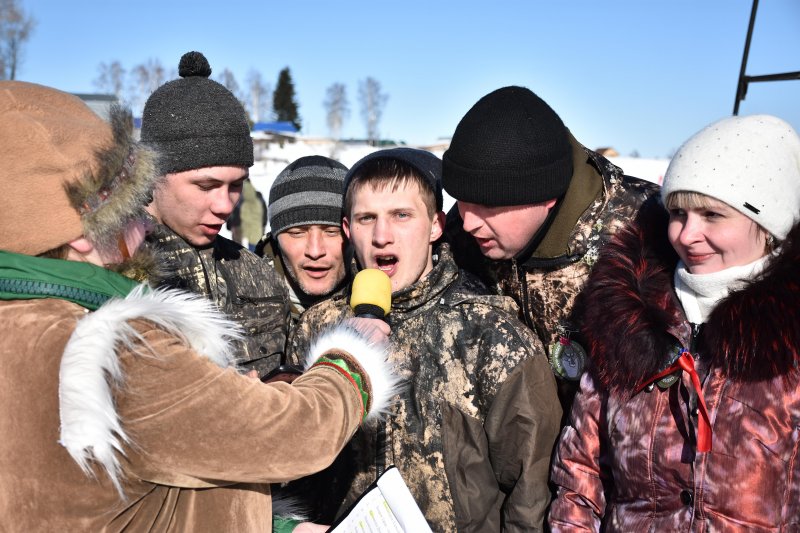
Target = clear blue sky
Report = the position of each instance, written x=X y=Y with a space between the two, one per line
x=634 y=74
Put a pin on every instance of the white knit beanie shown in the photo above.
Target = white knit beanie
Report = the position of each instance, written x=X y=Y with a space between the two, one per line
x=751 y=163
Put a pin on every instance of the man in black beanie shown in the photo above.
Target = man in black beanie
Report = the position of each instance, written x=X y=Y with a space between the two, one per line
x=534 y=208
x=201 y=133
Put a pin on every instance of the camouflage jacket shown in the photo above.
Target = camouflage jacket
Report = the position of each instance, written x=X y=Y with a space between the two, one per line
x=473 y=433
x=267 y=248
x=242 y=285
x=545 y=288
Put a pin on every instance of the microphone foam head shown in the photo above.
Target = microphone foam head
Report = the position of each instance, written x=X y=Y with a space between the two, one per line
x=371 y=293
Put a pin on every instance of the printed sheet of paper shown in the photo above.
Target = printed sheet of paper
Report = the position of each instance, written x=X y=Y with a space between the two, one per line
x=371 y=515
x=388 y=507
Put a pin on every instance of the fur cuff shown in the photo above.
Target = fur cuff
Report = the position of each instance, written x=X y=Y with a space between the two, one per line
x=91 y=429
x=367 y=360
x=287 y=509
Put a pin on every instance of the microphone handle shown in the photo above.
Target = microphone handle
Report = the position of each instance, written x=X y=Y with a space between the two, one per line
x=366 y=311
x=370 y=315
x=380 y=432
x=380 y=449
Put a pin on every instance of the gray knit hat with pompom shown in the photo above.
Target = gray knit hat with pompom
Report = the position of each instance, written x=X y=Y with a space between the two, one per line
x=195 y=122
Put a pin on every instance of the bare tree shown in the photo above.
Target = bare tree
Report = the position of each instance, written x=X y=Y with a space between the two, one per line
x=15 y=29
x=259 y=96
x=228 y=80
x=373 y=100
x=338 y=108
x=111 y=79
x=145 y=78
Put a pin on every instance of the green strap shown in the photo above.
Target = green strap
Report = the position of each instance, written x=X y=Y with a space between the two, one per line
x=25 y=277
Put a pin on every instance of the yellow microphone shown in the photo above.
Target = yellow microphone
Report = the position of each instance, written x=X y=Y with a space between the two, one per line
x=371 y=294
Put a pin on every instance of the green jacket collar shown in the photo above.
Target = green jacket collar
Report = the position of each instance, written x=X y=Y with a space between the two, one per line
x=585 y=188
x=24 y=277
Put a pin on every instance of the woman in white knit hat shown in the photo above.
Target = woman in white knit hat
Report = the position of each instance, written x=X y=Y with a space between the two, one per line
x=689 y=417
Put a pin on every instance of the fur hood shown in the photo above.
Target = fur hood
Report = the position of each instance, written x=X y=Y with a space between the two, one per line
x=632 y=319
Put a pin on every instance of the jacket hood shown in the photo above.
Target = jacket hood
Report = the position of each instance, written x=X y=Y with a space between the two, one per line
x=632 y=319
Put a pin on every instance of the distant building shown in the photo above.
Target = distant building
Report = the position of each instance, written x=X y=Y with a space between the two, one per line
x=99 y=103
x=607 y=151
x=282 y=128
x=439 y=147
x=264 y=133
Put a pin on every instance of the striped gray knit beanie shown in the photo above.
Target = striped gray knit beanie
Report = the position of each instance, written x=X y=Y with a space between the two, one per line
x=308 y=191
x=195 y=122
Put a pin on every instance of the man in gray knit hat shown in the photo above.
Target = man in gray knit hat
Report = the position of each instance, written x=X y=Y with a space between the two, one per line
x=201 y=133
x=305 y=243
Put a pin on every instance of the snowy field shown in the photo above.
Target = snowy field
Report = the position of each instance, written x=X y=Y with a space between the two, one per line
x=275 y=159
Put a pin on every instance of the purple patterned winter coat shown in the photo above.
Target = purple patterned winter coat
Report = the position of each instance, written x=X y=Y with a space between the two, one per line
x=629 y=461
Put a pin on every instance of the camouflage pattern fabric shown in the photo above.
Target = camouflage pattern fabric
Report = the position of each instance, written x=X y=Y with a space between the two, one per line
x=239 y=282
x=473 y=433
x=268 y=249
x=545 y=288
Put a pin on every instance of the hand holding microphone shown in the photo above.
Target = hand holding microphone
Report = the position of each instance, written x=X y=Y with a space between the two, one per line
x=371 y=301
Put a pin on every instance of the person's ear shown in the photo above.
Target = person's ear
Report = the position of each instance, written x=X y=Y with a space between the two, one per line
x=82 y=245
x=346 y=227
x=437 y=228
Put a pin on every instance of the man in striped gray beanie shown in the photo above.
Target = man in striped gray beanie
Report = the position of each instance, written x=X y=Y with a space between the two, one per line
x=305 y=243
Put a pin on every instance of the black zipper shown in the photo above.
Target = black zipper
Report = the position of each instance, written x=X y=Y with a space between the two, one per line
x=525 y=303
x=693 y=340
x=693 y=399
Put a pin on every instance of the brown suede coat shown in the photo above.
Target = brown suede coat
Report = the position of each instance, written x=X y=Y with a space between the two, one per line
x=206 y=442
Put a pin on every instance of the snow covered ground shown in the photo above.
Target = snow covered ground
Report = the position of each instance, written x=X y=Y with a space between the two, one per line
x=276 y=157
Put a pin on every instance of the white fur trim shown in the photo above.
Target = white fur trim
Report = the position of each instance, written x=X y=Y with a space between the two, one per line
x=371 y=357
x=289 y=507
x=90 y=426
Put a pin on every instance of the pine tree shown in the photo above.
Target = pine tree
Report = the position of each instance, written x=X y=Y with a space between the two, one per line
x=283 y=102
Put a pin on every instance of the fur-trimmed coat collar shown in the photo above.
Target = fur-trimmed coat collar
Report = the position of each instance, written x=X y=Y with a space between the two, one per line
x=91 y=428
x=632 y=319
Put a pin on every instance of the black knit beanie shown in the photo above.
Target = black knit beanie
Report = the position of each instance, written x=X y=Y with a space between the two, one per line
x=195 y=122
x=425 y=163
x=511 y=148
x=308 y=191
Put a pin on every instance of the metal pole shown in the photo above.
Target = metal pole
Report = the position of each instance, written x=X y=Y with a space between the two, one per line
x=741 y=87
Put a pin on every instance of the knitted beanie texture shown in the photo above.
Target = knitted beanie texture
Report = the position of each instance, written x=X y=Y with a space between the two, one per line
x=752 y=163
x=308 y=191
x=195 y=122
x=511 y=148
